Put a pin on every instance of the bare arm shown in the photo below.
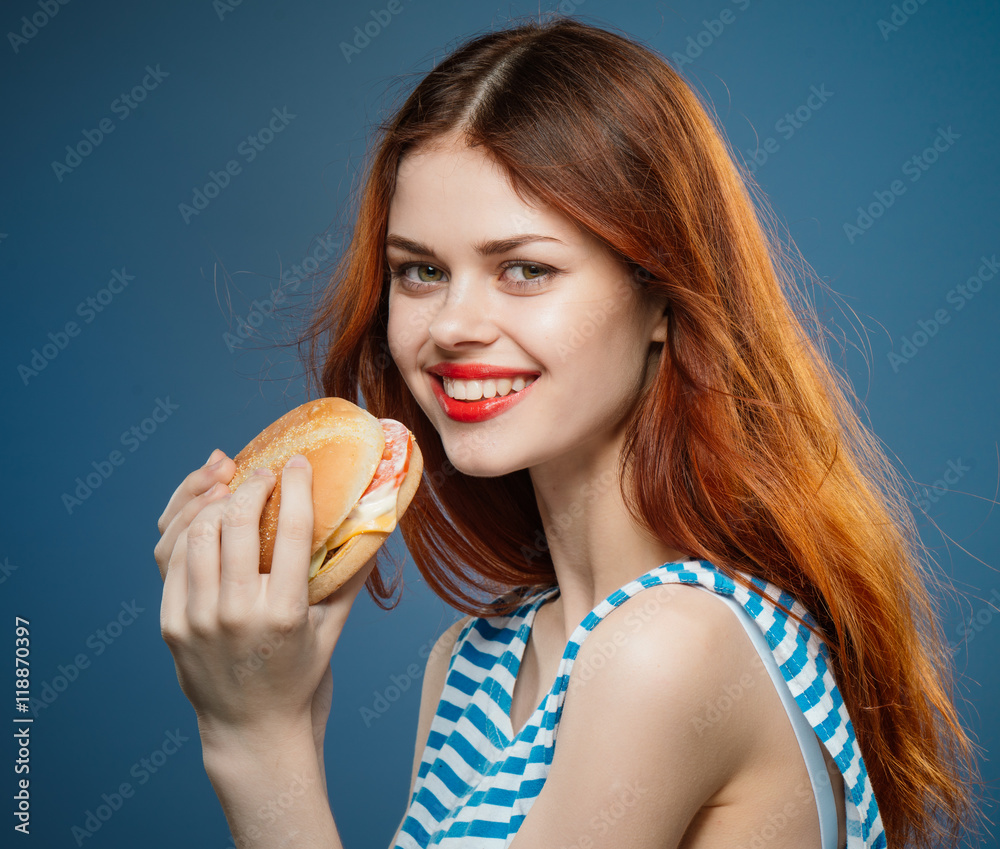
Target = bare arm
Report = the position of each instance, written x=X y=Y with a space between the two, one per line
x=272 y=791
x=260 y=713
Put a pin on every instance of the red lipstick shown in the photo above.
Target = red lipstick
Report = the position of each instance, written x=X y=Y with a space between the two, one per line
x=477 y=371
x=469 y=412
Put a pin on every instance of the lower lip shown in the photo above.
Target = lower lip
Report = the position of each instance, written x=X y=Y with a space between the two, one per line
x=475 y=411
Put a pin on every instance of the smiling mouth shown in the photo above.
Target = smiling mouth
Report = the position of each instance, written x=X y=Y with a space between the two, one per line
x=476 y=390
x=479 y=407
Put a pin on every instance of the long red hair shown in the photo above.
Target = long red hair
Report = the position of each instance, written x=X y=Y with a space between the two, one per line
x=753 y=456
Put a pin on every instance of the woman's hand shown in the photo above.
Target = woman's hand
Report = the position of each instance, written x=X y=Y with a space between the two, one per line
x=198 y=489
x=251 y=654
x=250 y=651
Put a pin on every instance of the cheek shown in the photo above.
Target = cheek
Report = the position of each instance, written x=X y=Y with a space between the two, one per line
x=555 y=334
x=600 y=336
x=405 y=329
x=394 y=337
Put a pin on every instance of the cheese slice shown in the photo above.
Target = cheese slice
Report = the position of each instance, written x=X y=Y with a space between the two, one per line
x=376 y=511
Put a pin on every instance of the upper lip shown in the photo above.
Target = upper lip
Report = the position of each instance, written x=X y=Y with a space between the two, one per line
x=477 y=371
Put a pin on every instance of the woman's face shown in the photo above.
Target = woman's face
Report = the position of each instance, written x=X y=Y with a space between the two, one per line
x=493 y=297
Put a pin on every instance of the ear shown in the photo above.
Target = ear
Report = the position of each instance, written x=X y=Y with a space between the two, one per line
x=659 y=333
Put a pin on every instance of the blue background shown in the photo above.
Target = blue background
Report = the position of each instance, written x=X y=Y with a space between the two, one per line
x=69 y=570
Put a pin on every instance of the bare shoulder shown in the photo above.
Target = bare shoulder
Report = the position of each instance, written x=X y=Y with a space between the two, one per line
x=672 y=734
x=670 y=648
x=636 y=706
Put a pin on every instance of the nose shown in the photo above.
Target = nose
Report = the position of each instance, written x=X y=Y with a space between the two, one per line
x=464 y=318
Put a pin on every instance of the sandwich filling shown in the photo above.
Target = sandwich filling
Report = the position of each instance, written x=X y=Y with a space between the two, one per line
x=375 y=511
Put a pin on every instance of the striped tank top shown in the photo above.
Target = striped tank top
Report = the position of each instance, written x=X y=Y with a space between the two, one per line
x=477 y=781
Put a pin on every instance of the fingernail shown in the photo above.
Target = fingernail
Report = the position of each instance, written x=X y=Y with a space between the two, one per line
x=263 y=471
x=211 y=456
x=214 y=465
x=298 y=461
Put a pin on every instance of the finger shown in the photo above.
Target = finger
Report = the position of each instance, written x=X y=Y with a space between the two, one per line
x=173 y=605
x=163 y=550
x=288 y=583
x=203 y=557
x=240 y=580
x=219 y=470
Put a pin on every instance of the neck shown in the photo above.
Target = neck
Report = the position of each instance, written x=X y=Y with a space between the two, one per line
x=595 y=544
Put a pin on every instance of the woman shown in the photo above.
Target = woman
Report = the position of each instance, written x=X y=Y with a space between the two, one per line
x=553 y=219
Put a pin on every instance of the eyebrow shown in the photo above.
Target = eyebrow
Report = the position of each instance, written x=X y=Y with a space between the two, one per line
x=490 y=247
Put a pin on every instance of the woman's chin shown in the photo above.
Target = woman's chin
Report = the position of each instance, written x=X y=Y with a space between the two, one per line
x=478 y=466
x=479 y=460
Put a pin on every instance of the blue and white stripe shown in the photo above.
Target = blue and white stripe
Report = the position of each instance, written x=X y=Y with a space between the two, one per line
x=478 y=780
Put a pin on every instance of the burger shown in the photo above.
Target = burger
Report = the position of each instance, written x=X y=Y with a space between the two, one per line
x=365 y=473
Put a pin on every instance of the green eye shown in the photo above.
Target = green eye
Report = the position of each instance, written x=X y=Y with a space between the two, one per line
x=431 y=279
x=524 y=275
x=422 y=280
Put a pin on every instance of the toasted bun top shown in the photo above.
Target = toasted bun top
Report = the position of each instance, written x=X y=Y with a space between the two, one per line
x=343 y=444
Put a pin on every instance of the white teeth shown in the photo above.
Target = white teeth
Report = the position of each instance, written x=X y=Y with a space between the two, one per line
x=473 y=390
